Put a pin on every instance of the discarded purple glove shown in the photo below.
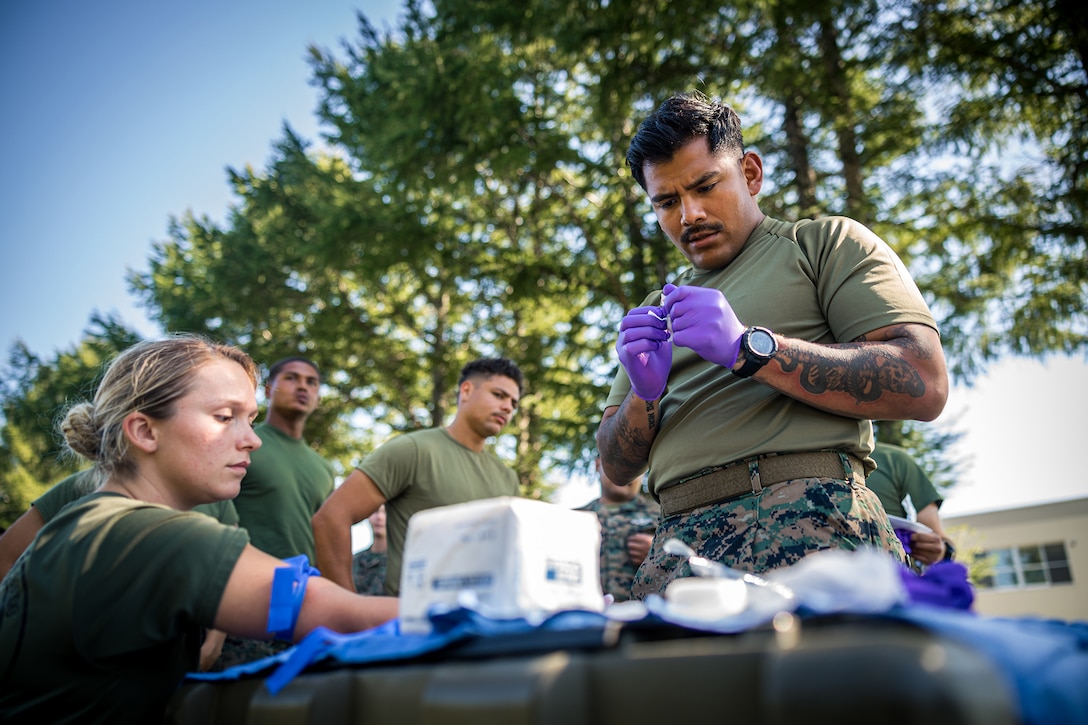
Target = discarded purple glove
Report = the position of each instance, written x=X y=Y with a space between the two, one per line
x=943 y=584
x=703 y=321
x=645 y=351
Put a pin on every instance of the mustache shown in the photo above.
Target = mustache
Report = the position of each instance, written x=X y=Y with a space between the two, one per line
x=687 y=234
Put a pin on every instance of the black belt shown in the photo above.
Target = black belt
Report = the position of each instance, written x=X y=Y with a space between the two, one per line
x=752 y=475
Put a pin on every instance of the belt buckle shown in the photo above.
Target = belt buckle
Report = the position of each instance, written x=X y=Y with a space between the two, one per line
x=755 y=482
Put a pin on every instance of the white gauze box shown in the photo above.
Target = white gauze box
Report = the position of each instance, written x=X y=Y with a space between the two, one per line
x=518 y=558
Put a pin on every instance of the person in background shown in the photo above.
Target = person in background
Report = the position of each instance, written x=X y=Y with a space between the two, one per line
x=103 y=613
x=368 y=565
x=423 y=470
x=42 y=510
x=898 y=476
x=628 y=520
x=286 y=483
x=747 y=384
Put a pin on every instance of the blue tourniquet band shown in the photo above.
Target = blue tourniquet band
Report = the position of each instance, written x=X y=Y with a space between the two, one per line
x=288 y=591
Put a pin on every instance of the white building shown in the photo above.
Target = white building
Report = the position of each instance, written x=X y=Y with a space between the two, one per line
x=1041 y=559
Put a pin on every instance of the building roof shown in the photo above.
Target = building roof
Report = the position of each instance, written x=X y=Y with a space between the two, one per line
x=1064 y=508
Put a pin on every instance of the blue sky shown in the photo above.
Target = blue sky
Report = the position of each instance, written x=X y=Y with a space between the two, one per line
x=119 y=114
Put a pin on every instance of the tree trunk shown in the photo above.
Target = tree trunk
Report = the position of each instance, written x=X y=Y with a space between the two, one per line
x=839 y=102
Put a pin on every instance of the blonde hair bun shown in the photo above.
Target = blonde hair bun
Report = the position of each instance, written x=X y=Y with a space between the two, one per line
x=80 y=431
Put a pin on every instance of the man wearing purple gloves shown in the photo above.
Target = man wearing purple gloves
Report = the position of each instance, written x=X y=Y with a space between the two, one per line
x=747 y=385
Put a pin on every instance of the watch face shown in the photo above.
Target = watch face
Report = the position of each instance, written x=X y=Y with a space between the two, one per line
x=761 y=343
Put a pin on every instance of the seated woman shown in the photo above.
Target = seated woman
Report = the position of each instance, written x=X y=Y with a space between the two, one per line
x=102 y=616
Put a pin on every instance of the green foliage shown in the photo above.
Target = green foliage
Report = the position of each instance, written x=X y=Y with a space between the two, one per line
x=970 y=552
x=1008 y=83
x=33 y=399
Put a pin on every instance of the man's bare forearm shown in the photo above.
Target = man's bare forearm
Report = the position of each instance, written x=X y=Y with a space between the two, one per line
x=333 y=548
x=625 y=436
x=895 y=373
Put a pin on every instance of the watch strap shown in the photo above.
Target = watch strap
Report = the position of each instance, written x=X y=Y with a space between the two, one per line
x=753 y=361
x=751 y=366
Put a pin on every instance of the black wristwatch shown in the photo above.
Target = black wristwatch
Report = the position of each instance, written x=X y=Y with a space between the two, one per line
x=949 y=550
x=759 y=347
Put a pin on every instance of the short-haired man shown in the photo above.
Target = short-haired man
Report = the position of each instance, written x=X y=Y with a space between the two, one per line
x=424 y=469
x=368 y=565
x=287 y=480
x=898 y=477
x=757 y=433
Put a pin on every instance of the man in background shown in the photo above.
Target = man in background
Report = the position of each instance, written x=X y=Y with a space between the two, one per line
x=628 y=520
x=368 y=565
x=287 y=481
x=424 y=469
x=897 y=477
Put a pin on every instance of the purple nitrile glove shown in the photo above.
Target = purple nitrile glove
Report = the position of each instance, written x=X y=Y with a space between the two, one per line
x=703 y=321
x=644 y=350
x=944 y=584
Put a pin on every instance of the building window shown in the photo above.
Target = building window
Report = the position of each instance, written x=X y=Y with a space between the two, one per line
x=1021 y=567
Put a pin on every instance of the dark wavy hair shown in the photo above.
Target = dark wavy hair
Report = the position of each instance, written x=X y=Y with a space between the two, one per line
x=280 y=364
x=678 y=120
x=488 y=366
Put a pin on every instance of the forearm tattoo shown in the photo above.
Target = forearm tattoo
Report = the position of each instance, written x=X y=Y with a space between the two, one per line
x=866 y=376
x=651 y=414
x=626 y=445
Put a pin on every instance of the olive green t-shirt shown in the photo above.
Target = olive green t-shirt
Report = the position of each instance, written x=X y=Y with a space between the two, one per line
x=104 y=611
x=826 y=281
x=285 y=485
x=426 y=469
x=897 y=476
x=80 y=484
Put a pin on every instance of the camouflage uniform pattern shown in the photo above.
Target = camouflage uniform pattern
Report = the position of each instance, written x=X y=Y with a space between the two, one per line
x=368 y=571
x=772 y=529
x=617 y=523
x=239 y=651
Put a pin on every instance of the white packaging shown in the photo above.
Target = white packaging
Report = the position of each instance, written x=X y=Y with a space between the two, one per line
x=514 y=557
x=705 y=598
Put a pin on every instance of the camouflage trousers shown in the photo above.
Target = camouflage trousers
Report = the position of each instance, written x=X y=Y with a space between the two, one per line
x=771 y=529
